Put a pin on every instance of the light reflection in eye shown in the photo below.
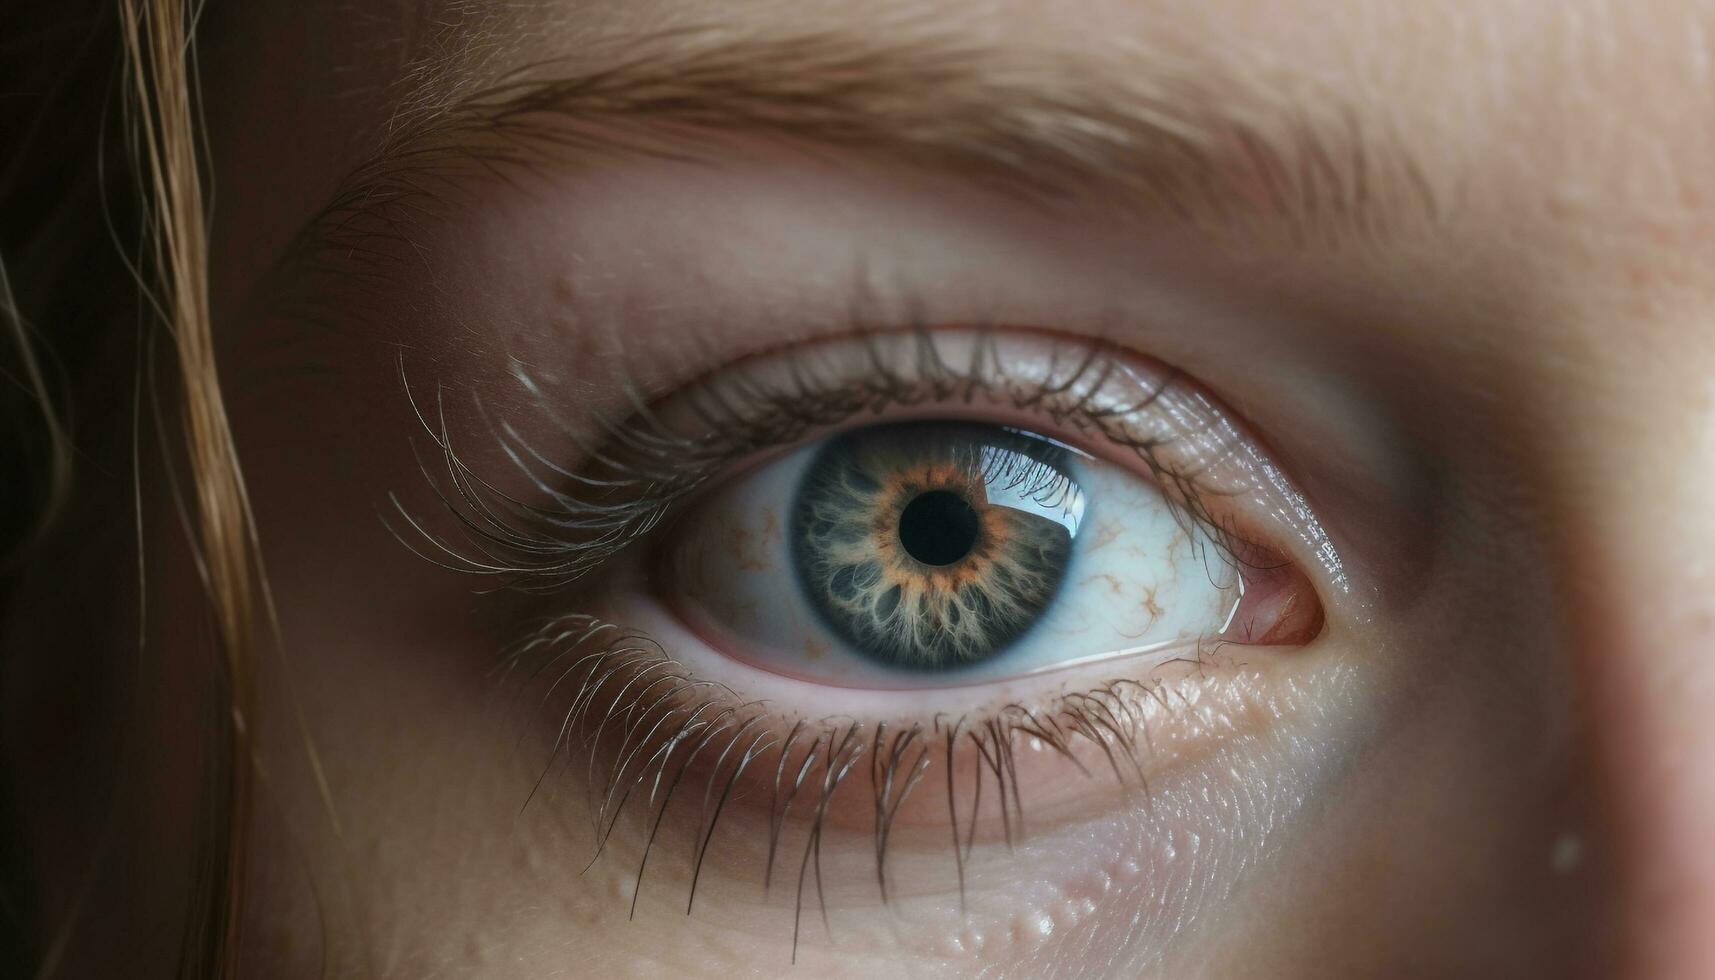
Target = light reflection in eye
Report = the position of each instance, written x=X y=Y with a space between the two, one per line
x=933 y=546
x=932 y=552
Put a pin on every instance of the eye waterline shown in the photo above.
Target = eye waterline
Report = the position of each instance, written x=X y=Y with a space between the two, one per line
x=699 y=625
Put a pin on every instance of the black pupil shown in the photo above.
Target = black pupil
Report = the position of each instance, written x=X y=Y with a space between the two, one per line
x=938 y=527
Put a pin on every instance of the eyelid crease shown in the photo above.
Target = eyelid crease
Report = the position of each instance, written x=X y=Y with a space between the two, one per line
x=642 y=470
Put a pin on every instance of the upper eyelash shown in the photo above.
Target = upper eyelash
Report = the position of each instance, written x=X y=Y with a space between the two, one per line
x=642 y=470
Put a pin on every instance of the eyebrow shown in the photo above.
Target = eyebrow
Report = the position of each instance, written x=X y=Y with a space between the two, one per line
x=1167 y=133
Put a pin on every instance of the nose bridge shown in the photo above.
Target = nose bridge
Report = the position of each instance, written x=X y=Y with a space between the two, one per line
x=1633 y=476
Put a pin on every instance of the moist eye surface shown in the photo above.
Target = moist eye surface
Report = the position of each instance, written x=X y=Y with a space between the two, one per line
x=934 y=545
x=756 y=518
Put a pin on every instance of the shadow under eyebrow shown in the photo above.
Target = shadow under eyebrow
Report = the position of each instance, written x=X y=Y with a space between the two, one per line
x=1163 y=133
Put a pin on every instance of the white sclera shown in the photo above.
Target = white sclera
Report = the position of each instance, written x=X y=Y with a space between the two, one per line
x=1139 y=582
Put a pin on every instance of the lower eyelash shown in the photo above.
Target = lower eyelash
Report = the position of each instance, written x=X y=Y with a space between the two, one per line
x=614 y=694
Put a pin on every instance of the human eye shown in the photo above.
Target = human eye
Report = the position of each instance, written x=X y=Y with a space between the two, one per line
x=933 y=552
x=911 y=589
x=1055 y=511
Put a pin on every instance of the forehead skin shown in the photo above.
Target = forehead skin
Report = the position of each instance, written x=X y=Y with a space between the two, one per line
x=1568 y=141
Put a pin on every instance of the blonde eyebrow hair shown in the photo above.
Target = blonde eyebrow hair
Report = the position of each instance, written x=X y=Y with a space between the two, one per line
x=1168 y=134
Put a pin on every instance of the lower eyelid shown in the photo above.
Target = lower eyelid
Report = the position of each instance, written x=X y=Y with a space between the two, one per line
x=614 y=707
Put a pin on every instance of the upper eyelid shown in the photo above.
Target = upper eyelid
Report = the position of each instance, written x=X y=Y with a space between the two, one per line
x=641 y=470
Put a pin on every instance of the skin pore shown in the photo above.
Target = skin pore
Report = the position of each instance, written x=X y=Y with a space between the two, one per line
x=1446 y=261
